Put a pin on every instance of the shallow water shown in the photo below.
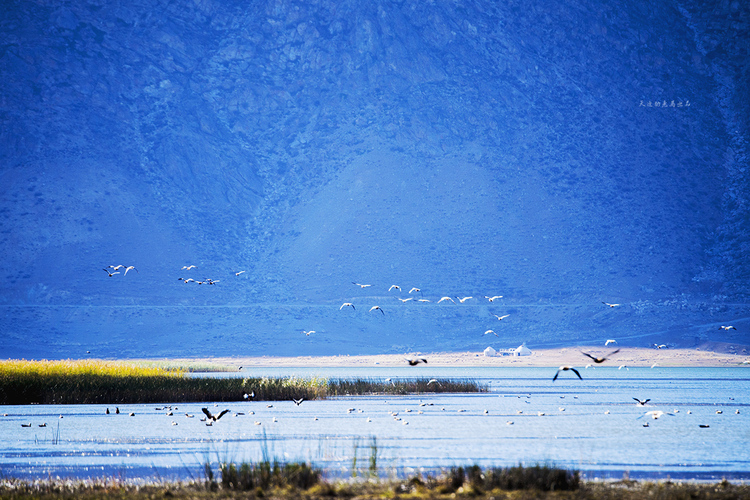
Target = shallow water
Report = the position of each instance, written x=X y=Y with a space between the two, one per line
x=592 y=425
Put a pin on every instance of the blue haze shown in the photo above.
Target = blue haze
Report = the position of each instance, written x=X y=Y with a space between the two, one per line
x=466 y=148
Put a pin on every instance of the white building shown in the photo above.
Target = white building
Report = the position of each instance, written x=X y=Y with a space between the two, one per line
x=522 y=350
x=490 y=352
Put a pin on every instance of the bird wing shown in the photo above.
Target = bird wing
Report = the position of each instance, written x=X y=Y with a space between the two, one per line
x=588 y=355
x=223 y=412
x=208 y=413
x=576 y=372
x=613 y=352
x=556 y=374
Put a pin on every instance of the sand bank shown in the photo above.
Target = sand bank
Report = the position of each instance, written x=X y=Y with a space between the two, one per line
x=629 y=356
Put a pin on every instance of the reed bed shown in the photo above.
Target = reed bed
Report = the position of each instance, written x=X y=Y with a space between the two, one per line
x=109 y=382
x=367 y=386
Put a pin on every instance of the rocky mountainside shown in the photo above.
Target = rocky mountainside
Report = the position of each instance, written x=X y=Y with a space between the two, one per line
x=558 y=155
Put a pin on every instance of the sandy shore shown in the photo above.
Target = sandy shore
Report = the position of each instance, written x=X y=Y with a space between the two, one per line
x=629 y=356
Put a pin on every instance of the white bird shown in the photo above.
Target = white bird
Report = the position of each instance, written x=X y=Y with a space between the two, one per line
x=655 y=414
x=249 y=396
x=415 y=290
x=405 y=300
x=565 y=368
x=610 y=341
x=491 y=331
x=360 y=285
x=347 y=304
x=373 y=308
x=128 y=269
x=186 y=280
x=433 y=381
x=493 y=298
x=422 y=300
x=610 y=305
x=238 y=273
x=464 y=299
x=308 y=332
x=623 y=366
x=394 y=286
x=445 y=298
x=115 y=268
x=188 y=268
x=500 y=318
x=726 y=328
x=111 y=273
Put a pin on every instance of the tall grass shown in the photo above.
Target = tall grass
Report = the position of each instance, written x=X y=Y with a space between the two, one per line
x=100 y=382
x=368 y=386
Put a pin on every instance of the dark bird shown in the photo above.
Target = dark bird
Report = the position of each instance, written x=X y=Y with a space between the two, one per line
x=211 y=417
x=107 y=412
x=298 y=401
x=602 y=359
x=26 y=425
x=642 y=403
x=414 y=362
x=564 y=369
x=117 y=410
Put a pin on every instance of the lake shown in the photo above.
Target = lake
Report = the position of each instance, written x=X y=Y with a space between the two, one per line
x=592 y=425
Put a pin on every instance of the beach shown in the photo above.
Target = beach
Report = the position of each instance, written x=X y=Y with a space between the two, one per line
x=629 y=356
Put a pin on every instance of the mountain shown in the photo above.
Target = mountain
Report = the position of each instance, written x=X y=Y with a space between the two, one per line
x=558 y=155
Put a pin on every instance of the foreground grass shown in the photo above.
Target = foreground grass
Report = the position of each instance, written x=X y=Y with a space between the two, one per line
x=105 y=382
x=289 y=481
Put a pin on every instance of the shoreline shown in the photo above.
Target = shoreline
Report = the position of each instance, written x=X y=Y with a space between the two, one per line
x=628 y=356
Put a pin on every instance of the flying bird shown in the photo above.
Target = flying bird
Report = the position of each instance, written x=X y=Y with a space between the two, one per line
x=249 y=396
x=655 y=414
x=360 y=285
x=727 y=328
x=415 y=361
x=491 y=331
x=111 y=273
x=238 y=273
x=565 y=368
x=610 y=305
x=642 y=403
x=500 y=318
x=446 y=298
x=373 y=308
x=214 y=418
x=394 y=286
x=415 y=289
x=188 y=268
x=464 y=299
x=610 y=341
x=298 y=401
x=405 y=300
x=422 y=300
x=494 y=298
x=115 y=268
x=345 y=304
x=130 y=268
x=601 y=359
x=308 y=332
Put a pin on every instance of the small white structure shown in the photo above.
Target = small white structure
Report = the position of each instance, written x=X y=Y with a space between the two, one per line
x=490 y=352
x=522 y=350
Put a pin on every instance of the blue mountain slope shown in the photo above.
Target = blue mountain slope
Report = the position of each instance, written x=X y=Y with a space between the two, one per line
x=470 y=149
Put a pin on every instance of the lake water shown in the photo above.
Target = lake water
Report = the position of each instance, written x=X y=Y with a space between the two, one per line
x=592 y=425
